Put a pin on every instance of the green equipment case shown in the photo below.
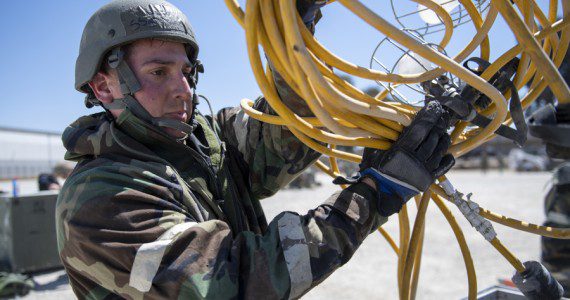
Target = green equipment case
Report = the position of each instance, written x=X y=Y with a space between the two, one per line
x=27 y=233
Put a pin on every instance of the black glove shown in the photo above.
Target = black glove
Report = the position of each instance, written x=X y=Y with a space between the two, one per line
x=310 y=12
x=537 y=283
x=413 y=162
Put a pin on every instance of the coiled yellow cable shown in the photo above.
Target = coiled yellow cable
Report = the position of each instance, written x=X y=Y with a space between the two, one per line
x=344 y=115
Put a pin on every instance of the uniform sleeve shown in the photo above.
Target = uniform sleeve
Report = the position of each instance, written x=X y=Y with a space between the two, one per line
x=272 y=154
x=124 y=235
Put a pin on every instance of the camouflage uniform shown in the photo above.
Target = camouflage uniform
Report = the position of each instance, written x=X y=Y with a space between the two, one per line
x=143 y=216
x=556 y=252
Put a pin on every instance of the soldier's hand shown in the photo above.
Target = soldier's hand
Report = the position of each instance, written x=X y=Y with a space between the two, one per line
x=413 y=162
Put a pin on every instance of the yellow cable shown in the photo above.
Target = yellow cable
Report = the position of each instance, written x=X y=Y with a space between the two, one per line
x=389 y=30
x=467 y=259
x=389 y=239
x=344 y=115
x=413 y=246
x=552 y=232
x=547 y=231
x=515 y=262
x=417 y=265
x=557 y=83
x=417 y=259
x=404 y=222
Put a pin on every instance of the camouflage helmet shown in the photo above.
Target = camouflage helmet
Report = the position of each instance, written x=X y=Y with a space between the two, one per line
x=124 y=21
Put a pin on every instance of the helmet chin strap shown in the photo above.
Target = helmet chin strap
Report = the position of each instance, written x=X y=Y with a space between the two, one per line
x=130 y=85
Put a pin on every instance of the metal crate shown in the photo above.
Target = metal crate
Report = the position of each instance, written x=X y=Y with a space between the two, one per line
x=28 y=240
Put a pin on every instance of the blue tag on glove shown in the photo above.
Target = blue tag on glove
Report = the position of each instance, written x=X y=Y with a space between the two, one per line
x=391 y=186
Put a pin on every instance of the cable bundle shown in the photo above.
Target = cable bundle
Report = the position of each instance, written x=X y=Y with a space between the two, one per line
x=346 y=116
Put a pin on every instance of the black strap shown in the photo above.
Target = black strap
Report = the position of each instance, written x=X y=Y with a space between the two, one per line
x=467 y=113
x=130 y=85
x=502 y=82
x=127 y=79
x=504 y=131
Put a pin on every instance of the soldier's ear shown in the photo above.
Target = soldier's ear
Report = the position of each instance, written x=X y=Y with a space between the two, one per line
x=102 y=86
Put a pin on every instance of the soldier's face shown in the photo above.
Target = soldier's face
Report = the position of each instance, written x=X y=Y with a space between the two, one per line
x=162 y=70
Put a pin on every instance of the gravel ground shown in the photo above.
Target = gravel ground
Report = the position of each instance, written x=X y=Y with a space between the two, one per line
x=371 y=273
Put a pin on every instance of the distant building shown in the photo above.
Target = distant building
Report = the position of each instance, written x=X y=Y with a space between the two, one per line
x=26 y=153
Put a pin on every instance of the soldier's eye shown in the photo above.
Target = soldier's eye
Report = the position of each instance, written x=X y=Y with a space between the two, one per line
x=158 y=72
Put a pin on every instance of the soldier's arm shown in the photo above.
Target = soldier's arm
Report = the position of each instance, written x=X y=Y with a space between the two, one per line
x=125 y=234
x=272 y=155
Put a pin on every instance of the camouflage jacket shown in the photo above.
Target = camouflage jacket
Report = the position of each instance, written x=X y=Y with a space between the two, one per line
x=145 y=217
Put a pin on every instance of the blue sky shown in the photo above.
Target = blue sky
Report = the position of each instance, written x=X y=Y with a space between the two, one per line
x=41 y=42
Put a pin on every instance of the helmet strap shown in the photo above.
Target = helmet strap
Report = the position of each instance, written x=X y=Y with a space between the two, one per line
x=127 y=79
x=130 y=85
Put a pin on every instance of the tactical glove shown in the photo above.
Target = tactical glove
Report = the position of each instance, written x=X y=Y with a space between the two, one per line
x=413 y=162
x=310 y=12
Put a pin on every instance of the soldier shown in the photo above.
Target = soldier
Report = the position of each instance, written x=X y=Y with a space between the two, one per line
x=55 y=180
x=556 y=252
x=164 y=202
x=551 y=124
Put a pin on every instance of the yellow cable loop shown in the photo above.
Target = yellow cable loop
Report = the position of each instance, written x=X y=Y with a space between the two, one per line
x=413 y=246
x=536 y=87
x=521 y=31
x=479 y=39
x=393 y=32
x=417 y=259
x=296 y=45
x=389 y=239
x=525 y=58
x=417 y=265
x=291 y=118
x=344 y=115
x=539 y=85
x=333 y=163
x=511 y=258
x=552 y=41
x=404 y=222
x=547 y=231
x=465 y=252
x=560 y=26
x=514 y=261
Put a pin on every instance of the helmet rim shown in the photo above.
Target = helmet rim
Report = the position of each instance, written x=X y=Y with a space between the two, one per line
x=122 y=22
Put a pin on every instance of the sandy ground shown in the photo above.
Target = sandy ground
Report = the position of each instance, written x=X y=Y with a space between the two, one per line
x=371 y=273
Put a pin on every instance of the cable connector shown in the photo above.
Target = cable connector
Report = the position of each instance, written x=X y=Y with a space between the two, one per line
x=470 y=210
